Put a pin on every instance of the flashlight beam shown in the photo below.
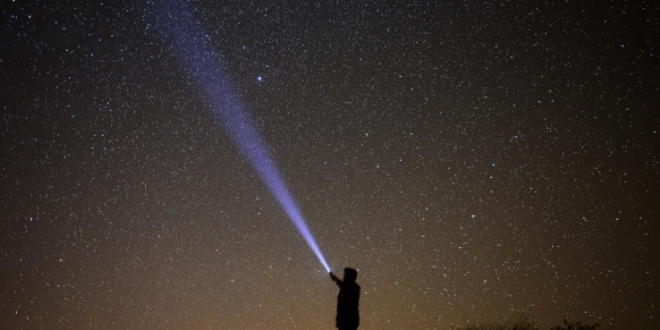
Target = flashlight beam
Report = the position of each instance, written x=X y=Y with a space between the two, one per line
x=193 y=48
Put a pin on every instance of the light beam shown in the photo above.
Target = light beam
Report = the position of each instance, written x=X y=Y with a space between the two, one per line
x=193 y=48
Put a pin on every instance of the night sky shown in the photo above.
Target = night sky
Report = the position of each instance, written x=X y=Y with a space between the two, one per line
x=471 y=159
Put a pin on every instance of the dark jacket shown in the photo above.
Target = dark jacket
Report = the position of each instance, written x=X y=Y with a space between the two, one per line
x=347 y=305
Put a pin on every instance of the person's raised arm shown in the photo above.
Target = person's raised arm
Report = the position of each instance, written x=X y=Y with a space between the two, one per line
x=335 y=279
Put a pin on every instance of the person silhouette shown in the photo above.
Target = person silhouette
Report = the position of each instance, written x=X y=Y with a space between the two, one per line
x=348 y=316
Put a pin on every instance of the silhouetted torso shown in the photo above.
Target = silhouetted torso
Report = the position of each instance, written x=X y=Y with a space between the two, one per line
x=348 y=316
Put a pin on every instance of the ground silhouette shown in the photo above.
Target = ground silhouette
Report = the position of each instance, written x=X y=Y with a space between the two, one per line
x=524 y=322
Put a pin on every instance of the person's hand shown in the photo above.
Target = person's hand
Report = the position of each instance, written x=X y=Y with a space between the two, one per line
x=333 y=277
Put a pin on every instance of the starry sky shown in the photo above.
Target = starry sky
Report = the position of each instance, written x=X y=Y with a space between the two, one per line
x=472 y=159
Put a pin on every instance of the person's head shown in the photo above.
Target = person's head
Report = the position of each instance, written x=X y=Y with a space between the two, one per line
x=350 y=275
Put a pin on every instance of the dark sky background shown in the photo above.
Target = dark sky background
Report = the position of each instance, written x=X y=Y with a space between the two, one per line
x=471 y=159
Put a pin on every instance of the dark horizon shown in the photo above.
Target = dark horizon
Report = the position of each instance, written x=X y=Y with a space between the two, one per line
x=469 y=159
